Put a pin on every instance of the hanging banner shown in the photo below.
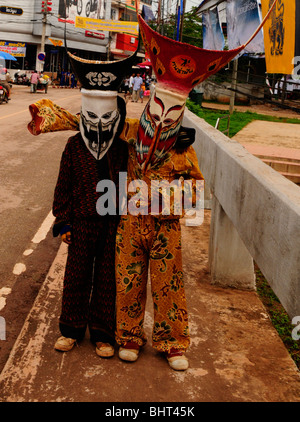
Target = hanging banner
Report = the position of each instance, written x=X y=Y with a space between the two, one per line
x=213 y=38
x=282 y=37
x=242 y=20
x=56 y=43
x=107 y=25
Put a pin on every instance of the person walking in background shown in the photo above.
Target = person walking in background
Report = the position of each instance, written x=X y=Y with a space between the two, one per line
x=142 y=91
x=5 y=80
x=137 y=83
x=63 y=78
x=73 y=81
x=130 y=84
x=33 y=81
x=126 y=86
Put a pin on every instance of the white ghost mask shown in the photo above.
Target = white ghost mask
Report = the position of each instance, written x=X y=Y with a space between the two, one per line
x=99 y=120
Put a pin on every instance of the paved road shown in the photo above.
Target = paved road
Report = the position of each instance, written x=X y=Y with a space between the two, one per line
x=235 y=353
x=28 y=172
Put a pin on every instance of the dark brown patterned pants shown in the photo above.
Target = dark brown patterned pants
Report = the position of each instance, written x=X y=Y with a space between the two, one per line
x=89 y=283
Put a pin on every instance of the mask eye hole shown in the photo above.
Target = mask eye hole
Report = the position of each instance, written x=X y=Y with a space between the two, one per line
x=107 y=115
x=168 y=121
x=156 y=117
x=92 y=115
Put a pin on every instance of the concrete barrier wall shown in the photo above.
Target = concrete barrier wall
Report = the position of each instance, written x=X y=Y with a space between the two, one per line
x=261 y=205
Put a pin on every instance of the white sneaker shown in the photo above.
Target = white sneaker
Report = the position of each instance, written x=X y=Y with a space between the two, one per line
x=64 y=344
x=177 y=360
x=129 y=355
x=104 y=350
x=178 y=363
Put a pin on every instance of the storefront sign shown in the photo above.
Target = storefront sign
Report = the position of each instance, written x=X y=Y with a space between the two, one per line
x=16 y=49
x=11 y=10
x=92 y=34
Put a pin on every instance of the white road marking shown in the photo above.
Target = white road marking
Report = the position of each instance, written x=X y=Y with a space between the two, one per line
x=4 y=292
x=28 y=252
x=44 y=229
x=20 y=267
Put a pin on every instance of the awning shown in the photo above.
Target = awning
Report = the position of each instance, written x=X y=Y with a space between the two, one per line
x=145 y=64
x=6 y=56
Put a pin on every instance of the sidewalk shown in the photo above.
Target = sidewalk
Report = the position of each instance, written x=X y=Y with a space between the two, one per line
x=235 y=353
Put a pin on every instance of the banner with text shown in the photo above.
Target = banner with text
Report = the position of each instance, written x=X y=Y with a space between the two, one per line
x=282 y=37
x=16 y=49
x=243 y=18
x=107 y=25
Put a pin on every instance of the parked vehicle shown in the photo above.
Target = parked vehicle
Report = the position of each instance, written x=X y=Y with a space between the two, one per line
x=3 y=94
x=77 y=3
x=91 y=6
x=21 y=79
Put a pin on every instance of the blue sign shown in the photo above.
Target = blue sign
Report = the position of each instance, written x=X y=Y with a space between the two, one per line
x=11 y=10
x=41 y=57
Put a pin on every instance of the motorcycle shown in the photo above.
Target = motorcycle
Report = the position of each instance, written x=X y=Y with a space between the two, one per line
x=91 y=6
x=21 y=79
x=3 y=94
x=77 y=3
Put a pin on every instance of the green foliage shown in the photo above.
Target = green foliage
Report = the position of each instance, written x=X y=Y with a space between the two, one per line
x=192 y=28
x=278 y=316
x=238 y=120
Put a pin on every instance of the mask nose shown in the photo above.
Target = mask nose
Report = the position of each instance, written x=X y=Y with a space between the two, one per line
x=99 y=137
x=153 y=146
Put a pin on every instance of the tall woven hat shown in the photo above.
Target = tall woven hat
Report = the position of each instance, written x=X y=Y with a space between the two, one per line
x=98 y=74
x=101 y=75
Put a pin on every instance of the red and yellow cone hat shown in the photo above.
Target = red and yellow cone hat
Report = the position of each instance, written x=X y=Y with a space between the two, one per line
x=179 y=66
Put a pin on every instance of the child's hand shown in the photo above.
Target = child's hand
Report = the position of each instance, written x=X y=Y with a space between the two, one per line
x=66 y=237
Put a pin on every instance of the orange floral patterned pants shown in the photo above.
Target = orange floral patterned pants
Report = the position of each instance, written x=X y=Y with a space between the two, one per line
x=144 y=241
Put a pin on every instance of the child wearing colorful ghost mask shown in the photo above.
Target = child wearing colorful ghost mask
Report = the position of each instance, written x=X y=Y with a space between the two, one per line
x=95 y=153
x=148 y=241
x=154 y=241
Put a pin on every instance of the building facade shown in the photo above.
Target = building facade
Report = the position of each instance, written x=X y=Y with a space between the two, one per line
x=33 y=32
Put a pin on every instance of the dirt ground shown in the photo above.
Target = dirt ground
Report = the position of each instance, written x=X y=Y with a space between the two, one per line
x=268 y=138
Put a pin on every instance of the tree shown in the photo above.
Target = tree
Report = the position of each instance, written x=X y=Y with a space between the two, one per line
x=192 y=28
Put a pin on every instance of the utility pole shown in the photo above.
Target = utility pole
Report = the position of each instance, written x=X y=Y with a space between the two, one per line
x=44 y=21
x=162 y=16
x=158 y=15
x=233 y=85
x=182 y=11
x=46 y=7
x=108 y=47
